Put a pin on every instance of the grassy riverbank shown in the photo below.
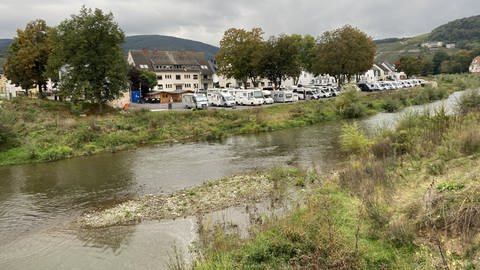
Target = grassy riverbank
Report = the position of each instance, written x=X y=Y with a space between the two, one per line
x=406 y=199
x=39 y=130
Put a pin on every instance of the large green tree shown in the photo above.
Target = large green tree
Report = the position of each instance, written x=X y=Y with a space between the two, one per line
x=412 y=65
x=28 y=56
x=344 y=52
x=144 y=80
x=88 y=55
x=306 y=46
x=239 y=54
x=280 y=59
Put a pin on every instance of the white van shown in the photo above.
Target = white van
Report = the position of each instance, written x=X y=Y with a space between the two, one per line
x=249 y=97
x=195 y=101
x=221 y=99
x=267 y=97
x=283 y=96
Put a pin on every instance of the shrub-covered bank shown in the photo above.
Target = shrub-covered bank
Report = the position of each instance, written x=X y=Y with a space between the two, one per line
x=407 y=199
x=39 y=130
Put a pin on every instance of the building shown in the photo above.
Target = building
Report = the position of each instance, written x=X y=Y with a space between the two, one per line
x=433 y=44
x=475 y=66
x=177 y=71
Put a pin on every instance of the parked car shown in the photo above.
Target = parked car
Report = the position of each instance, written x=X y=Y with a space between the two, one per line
x=249 y=97
x=195 y=101
x=283 y=96
x=267 y=97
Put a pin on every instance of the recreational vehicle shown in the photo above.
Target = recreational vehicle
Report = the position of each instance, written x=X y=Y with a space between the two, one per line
x=194 y=101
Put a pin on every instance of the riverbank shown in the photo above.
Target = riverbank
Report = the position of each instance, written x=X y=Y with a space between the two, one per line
x=407 y=199
x=39 y=131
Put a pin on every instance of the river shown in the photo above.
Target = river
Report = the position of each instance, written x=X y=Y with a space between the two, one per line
x=38 y=202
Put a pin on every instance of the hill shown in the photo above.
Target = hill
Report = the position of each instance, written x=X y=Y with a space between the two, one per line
x=168 y=43
x=466 y=29
x=465 y=33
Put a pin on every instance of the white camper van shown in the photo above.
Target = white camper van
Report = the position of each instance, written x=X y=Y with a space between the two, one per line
x=283 y=96
x=249 y=97
x=267 y=97
x=194 y=101
x=221 y=99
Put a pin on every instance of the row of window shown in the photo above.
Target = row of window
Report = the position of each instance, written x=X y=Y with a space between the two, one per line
x=261 y=84
x=170 y=86
x=179 y=77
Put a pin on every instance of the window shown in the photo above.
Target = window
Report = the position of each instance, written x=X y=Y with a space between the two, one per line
x=195 y=77
x=168 y=86
x=188 y=85
x=270 y=83
x=195 y=85
x=143 y=66
x=178 y=77
x=262 y=83
x=186 y=76
x=159 y=77
x=248 y=84
x=168 y=76
x=160 y=87
x=205 y=77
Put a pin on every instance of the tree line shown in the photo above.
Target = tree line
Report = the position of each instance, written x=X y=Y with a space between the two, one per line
x=246 y=56
x=83 y=55
x=439 y=63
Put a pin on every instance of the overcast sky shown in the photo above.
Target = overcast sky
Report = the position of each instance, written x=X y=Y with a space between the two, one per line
x=206 y=20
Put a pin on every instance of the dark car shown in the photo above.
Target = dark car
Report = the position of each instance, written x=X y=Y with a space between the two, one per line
x=364 y=87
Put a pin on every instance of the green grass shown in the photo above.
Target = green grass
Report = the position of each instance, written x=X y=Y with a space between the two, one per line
x=42 y=130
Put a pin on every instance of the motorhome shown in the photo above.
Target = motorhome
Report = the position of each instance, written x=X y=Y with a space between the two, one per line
x=249 y=97
x=220 y=99
x=283 y=96
x=195 y=101
x=267 y=97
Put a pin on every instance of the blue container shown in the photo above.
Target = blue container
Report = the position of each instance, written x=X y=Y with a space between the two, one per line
x=136 y=96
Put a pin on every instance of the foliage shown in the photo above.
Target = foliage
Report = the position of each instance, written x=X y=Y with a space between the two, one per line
x=414 y=65
x=458 y=30
x=28 y=56
x=87 y=50
x=144 y=80
x=353 y=140
x=239 y=54
x=280 y=59
x=470 y=101
x=344 y=51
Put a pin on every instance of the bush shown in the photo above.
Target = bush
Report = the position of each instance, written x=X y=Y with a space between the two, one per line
x=57 y=153
x=469 y=101
x=391 y=105
x=353 y=139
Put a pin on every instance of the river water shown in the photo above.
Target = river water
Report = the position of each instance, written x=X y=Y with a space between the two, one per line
x=39 y=202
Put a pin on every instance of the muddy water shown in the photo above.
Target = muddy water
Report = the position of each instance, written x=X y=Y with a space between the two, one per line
x=38 y=202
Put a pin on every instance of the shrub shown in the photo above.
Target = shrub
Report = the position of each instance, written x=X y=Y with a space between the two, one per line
x=353 y=139
x=391 y=105
x=57 y=153
x=469 y=101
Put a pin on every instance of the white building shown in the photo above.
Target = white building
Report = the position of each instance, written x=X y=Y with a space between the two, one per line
x=177 y=71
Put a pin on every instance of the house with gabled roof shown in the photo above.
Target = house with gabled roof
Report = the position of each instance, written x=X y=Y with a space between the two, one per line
x=177 y=71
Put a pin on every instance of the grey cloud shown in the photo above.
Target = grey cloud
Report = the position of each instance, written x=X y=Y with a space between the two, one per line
x=206 y=20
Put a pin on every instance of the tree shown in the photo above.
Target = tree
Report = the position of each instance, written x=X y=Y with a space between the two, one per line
x=239 y=54
x=145 y=80
x=87 y=52
x=28 y=56
x=437 y=60
x=414 y=65
x=280 y=59
x=343 y=53
x=306 y=46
